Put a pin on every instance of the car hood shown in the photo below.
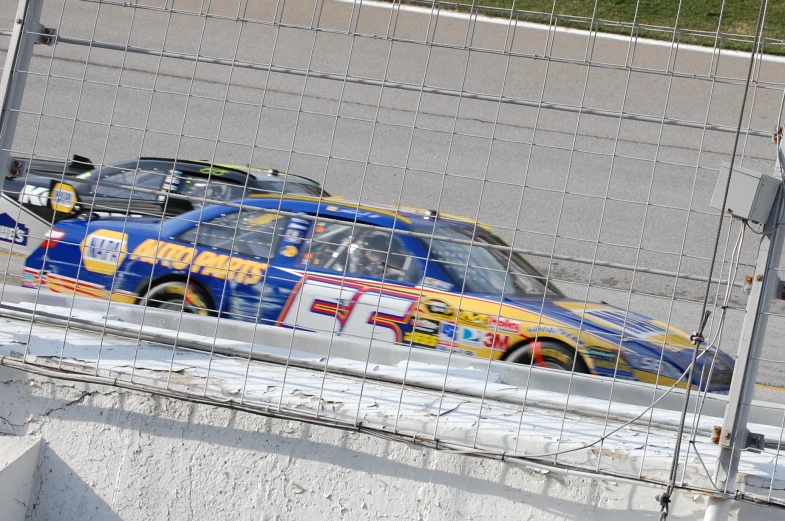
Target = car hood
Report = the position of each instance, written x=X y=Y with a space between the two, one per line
x=636 y=333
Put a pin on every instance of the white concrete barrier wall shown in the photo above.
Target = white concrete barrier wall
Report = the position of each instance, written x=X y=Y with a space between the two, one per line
x=116 y=455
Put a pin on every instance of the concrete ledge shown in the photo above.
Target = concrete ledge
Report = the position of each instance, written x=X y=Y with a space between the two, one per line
x=19 y=457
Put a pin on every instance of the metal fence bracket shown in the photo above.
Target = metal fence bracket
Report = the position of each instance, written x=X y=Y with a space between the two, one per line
x=755 y=441
x=43 y=35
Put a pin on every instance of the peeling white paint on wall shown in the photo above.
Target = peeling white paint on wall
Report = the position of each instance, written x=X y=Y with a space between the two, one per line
x=112 y=454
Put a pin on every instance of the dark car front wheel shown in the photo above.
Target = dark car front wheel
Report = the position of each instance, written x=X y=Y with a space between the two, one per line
x=548 y=354
x=179 y=296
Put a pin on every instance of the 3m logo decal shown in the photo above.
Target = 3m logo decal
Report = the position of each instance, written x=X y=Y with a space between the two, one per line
x=103 y=251
x=453 y=335
x=62 y=198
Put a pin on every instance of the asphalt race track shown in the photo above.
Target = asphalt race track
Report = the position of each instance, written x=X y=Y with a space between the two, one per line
x=596 y=187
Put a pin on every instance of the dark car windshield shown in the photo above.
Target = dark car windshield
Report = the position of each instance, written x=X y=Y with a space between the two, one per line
x=125 y=174
x=478 y=268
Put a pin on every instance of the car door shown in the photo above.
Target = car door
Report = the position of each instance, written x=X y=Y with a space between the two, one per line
x=357 y=282
x=231 y=254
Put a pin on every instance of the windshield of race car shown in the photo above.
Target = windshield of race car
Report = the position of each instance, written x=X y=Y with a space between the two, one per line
x=481 y=268
x=147 y=179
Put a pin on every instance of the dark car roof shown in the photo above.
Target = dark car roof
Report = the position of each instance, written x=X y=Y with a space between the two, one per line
x=233 y=172
x=271 y=181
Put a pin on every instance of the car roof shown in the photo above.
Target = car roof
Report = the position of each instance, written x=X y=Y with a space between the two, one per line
x=257 y=173
x=386 y=216
x=235 y=173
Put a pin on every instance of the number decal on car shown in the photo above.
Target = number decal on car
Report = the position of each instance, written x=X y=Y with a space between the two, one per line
x=349 y=309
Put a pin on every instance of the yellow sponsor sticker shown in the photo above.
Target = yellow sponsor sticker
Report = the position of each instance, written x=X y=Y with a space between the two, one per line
x=167 y=254
x=263 y=219
x=473 y=318
x=103 y=251
x=214 y=171
x=146 y=252
x=438 y=308
x=234 y=269
x=62 y=198
x=289 y=251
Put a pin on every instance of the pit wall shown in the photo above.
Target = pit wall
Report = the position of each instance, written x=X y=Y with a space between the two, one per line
x=111 y=454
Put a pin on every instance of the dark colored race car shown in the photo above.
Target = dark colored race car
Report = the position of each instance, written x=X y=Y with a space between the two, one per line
x=298 y=262
x=55 y=191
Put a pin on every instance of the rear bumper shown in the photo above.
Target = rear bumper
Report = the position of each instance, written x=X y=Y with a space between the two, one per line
x=65 y=285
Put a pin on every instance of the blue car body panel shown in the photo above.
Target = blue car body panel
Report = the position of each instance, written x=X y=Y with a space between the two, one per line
x=123 y=258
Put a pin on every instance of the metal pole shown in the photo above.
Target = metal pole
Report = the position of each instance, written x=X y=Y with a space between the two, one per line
x=14 y=76
x=766 y=282
x=718 y=509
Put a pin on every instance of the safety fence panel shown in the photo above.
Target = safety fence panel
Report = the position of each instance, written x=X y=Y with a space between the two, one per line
x=485 y=230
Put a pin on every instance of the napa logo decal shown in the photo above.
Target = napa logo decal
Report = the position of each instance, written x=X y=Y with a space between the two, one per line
x=103 y=251
x=62 y=198
x=12 y=231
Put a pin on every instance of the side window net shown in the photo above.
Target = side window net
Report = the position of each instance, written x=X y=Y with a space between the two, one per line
x=361 y=252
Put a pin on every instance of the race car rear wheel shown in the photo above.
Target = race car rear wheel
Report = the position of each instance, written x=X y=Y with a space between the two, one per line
x=179 y=296
x=550 y=355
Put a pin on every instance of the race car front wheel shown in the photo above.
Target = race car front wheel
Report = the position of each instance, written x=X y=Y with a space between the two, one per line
x=550 y=355
x=179 y=296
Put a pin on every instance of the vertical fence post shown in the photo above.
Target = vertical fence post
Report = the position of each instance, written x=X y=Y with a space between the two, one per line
x=26 y=32
x=766 y=282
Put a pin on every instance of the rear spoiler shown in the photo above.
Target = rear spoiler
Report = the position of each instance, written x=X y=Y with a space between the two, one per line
x=81 y=163
x=76 y=165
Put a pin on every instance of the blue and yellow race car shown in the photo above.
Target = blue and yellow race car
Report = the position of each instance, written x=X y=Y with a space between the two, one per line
x=393 y=274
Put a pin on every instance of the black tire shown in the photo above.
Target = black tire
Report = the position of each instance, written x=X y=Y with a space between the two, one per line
x=550 y=355
x=179 y=296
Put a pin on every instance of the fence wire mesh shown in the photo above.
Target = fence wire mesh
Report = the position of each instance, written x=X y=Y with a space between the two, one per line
x=341 y=211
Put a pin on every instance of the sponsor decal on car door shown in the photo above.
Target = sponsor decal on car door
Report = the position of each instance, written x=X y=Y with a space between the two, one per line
x=349 y=308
